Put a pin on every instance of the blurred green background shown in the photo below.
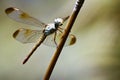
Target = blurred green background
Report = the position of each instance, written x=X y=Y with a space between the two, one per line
x=95 y=56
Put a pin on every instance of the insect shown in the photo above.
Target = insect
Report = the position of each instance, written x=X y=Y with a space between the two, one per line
x=49 y=34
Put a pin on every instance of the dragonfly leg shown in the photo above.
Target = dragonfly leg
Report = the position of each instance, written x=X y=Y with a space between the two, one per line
x=60 y=29
x=55 y=39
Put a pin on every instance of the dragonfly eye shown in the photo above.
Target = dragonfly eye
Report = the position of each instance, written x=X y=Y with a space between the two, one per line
x=58 y=21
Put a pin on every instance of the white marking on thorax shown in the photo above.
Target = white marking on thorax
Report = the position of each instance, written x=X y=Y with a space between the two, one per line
x=50 y=26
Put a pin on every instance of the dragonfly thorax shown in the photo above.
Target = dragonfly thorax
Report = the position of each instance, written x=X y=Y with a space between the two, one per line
x=50 y=28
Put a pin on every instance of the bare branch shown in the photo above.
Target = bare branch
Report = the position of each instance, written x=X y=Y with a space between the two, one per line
x=66 y=32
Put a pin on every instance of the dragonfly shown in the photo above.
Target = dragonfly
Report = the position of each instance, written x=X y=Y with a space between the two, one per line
x=49 y=34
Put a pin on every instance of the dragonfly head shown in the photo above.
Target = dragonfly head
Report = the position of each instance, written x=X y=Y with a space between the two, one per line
x=58 y=22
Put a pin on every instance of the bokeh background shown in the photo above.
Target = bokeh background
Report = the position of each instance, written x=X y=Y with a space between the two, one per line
x=95 y=56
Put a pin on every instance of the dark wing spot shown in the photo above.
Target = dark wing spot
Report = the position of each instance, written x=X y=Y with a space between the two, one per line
x=16 y=33
x=9 y=10
x=73 y=40
x=24 y=15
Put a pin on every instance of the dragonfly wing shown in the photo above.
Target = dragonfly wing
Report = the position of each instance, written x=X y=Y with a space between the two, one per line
x=70 y=40
x=50 y=39
x=65 y=18
x=27 y=35
x=20 y=16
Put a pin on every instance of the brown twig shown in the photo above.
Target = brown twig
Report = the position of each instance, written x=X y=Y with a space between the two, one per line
x=71 y=21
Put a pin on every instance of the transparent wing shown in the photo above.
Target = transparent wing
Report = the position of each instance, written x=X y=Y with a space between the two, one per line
x=31 y=36
x=27 y=35
x=20 y=16
x=65 y=18
x=49 y=41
